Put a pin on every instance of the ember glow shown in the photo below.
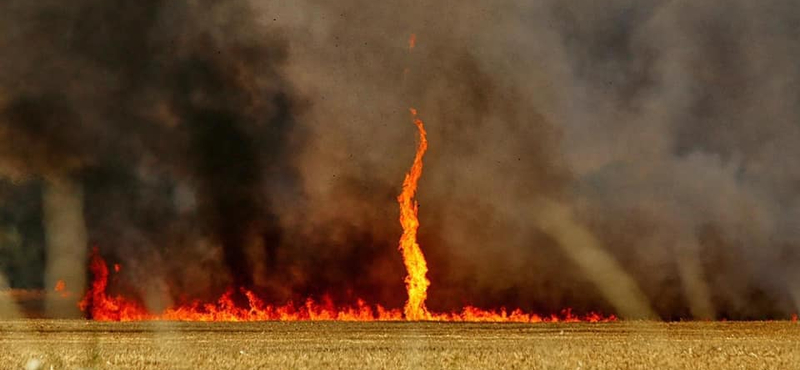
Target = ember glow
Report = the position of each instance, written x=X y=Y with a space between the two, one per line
x=60 y=286
x=99 y=305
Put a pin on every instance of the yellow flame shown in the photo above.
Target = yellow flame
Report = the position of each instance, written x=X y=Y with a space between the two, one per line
x=416 y=281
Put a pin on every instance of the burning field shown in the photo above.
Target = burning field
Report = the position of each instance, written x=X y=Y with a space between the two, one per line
x=98 y=305
x=307 y=184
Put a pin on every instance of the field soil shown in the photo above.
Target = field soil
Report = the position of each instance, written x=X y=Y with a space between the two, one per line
x=79 y=344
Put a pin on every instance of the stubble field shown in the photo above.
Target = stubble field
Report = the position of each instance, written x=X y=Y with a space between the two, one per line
x=78 y=344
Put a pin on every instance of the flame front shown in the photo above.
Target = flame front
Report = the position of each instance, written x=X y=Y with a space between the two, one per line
x=101 y=306
x=416 y=281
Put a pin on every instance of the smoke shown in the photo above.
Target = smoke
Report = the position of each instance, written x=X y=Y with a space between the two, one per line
x=666 y=125
x=628 y=157
x=170 y=115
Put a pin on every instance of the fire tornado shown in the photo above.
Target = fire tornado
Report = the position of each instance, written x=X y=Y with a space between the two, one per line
x=416 y=281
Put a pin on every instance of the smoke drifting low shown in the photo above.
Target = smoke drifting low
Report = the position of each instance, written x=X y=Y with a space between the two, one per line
x=633 y=157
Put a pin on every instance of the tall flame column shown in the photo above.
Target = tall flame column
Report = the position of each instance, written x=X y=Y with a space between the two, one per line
x=416 y=281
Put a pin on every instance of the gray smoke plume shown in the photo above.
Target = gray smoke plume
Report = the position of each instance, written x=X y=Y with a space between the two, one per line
x=631 y=157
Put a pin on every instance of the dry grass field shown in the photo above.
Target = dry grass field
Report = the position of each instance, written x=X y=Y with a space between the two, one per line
x=75 y=344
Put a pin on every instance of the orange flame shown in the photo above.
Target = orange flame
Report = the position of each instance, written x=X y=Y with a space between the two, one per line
x=412 y=41
x=101 y=306
x=416 y=282
x=104 y=308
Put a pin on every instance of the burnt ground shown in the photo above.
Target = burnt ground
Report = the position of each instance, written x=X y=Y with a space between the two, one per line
x=77 y=344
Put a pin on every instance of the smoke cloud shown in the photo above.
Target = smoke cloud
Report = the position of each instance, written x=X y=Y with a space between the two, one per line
x=630 y=157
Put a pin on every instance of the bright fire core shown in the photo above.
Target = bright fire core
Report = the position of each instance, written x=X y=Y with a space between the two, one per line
x=98 y=305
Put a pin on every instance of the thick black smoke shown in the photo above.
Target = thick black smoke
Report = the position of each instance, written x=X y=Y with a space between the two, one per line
x=173 y=116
